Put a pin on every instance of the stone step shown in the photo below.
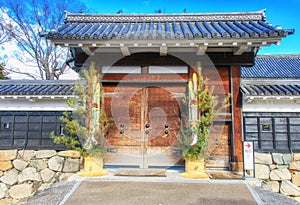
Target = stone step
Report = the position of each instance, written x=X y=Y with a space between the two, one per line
x=223 y=175
x=141 y=172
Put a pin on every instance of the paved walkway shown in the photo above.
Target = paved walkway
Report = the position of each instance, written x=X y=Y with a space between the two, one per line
x=172 y=189
x=164 y=193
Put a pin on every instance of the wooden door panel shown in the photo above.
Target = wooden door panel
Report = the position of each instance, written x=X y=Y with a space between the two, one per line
x=124 y=108
x=163 y=108
x=135 y=107
x=219 y=145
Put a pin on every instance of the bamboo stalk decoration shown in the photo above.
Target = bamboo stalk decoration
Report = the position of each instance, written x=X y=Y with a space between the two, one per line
x=97 y=107
x=194 y=104
x=192 y=94
x=94 y=105
x=195 y=80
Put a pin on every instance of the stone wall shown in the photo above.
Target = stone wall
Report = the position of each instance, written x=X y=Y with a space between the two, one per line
x=22 y=172
x=280 y=171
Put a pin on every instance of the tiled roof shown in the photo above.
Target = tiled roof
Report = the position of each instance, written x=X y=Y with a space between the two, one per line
x=273 y=66
x=166 y=26
x=270 y=90
x=36 y=87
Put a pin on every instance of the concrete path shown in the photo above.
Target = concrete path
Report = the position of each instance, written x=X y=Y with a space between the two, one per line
x=173 y=189
x=163 y=193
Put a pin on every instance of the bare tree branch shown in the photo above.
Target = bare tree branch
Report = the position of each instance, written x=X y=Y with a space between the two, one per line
x=30 y=75
x=4 y=34
x=29 y=18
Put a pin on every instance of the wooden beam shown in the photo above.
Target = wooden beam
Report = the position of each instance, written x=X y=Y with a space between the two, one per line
x=201 y=50
x=125 y=51
x=87 y=50
x=241 y=49
x=218 y=58
x=237 y=119
x=163 y=50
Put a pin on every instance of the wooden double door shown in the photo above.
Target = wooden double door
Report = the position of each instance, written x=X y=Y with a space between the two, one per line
x=146 y=121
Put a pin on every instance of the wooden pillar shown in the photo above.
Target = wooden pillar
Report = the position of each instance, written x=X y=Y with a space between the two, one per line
x=237 y=158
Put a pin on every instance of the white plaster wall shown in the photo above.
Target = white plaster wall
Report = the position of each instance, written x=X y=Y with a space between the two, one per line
x=33 y=104
x=271 y=105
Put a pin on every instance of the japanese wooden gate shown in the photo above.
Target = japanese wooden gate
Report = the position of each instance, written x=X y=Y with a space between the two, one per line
x=147 y=111
x=147 y=120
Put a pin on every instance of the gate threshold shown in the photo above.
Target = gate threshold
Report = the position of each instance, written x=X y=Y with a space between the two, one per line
x=141 y=172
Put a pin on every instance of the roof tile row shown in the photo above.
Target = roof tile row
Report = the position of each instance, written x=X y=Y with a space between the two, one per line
x=273 y=66
x=166 y=30
x=164 y=26
x=271 y=90
x=32 y=88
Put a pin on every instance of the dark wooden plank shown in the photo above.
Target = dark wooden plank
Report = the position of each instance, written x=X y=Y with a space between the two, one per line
x=251 y=136
x=294 y=121
x=295 y=145
x=217 y=58
x=266 y=136
x=280 y=128
x=267 y=144
x=265 y=120
x=294 y=128
x=145 y=77
x=280 y=120
x=251 y=128
x=281 y=136
x=250 y=121
x=237 y=113
x=295 y=136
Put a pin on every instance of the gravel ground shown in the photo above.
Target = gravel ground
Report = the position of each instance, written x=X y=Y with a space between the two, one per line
x=269 y=197
x=56 y=193
x=50 y=196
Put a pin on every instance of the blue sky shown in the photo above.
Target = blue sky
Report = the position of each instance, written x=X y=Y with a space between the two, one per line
x=278 y=12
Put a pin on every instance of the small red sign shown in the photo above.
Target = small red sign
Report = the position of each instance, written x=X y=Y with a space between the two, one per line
x=248 y=156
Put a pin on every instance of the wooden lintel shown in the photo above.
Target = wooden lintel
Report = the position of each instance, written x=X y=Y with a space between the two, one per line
x=87 y=50
x=152 y=58
x=125 y=51
x=163 y=50
x=201 y=50
x=241 y=49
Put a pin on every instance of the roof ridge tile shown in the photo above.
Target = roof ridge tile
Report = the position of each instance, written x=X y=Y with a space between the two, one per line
x=224 y=16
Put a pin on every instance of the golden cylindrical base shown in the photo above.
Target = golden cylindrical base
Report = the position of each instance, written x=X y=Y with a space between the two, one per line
x=92 y=167
x=195 y=169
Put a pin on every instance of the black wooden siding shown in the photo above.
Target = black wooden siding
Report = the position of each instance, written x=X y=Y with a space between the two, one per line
x=29 y=130
x=273 y=132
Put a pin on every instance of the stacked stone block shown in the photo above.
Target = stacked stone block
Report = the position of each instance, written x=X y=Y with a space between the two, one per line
x=280 y=171
x=22 y=172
